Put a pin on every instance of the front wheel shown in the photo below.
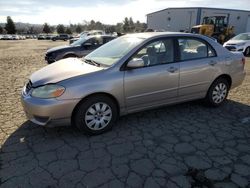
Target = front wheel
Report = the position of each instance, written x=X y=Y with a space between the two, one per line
x=95 y=114
x=217 y=92
x=247 y=51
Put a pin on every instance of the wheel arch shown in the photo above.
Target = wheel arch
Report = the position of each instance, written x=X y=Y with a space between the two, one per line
x=70 y=54
x=224 y=76
x=91 y=95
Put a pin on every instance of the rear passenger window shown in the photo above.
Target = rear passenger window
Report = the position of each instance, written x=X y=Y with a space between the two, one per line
x=98 y=41
x=194 y=49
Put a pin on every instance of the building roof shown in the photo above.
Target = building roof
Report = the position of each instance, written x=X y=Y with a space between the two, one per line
x=198 y=8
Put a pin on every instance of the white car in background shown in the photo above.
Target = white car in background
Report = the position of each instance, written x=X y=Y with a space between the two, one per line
x=239 y=43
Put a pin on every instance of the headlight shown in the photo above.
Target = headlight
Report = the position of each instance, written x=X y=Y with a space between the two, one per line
x=48 y=91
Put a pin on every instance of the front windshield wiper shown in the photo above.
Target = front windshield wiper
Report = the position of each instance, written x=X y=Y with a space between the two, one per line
x=92 y=62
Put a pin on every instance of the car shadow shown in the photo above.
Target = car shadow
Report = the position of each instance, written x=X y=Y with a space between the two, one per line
x=34 y=154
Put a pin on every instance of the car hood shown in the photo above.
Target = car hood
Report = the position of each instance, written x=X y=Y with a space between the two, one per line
x=60 y=48
x=236 y=41
x=62 y=70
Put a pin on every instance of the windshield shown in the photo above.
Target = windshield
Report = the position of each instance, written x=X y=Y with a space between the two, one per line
x=80 y=41
x=244 y=36
x=114 y=50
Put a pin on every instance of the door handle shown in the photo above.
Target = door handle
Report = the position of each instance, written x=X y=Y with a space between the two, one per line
x=212 y=63
x=172 y=69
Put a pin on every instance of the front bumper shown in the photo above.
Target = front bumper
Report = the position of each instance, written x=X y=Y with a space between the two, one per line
x=48 y=112
x=234 y=48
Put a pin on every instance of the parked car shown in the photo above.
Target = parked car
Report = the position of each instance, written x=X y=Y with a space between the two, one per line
x=48 y=37
x=85 y=34
x=41 y=37
x=130 y=74
x=61 y=37
x=239 y=43
x=15 y=37
x=7 y=37
x=79 y=48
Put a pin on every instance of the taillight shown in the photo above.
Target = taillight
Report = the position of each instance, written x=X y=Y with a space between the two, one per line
x=243 y=60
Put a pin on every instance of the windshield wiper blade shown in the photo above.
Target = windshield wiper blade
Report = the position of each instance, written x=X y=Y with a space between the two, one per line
x=92 y=62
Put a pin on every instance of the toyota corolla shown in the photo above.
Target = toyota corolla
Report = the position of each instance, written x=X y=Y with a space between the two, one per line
x=129 y=74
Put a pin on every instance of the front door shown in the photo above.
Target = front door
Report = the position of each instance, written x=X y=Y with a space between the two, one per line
x=93 y=43
x=157 y=82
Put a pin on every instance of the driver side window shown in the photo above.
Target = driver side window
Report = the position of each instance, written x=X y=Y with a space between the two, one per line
x=155 y=53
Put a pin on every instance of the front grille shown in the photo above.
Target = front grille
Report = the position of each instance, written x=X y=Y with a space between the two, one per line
x=28 y=87
x=230 y=48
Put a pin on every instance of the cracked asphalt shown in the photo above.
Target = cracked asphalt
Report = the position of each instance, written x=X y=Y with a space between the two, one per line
x=185 y=145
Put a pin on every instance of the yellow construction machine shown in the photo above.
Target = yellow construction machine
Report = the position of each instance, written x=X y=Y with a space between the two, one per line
x=216 y=27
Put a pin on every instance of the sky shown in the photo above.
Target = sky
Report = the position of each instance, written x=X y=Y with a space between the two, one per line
x=107 y=11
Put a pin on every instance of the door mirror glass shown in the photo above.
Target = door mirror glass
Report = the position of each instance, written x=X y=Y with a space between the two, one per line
x=135 y=63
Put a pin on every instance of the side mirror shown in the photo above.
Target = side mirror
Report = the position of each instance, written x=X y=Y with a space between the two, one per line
x=135 y=63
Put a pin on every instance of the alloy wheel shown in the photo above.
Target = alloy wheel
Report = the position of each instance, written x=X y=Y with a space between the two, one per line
x=219 y=93
x=98 y=116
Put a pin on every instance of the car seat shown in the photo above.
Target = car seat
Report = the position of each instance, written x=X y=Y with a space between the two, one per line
x=150 y=57
x=201 y=51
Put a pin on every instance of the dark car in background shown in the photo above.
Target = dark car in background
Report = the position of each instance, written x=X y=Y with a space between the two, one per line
x=61 y=37
x=79 y=48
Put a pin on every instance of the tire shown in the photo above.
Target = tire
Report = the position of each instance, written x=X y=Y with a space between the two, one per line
x=247 y=51
x=217 y=92
x=93 y=117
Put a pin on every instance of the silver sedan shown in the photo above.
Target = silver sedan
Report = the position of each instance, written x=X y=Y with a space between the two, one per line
x=130 y=74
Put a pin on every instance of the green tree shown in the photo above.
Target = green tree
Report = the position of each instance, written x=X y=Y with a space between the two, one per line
x=131 y=25
x=126 y=25
x=60 y=28
x=110 y=29
x=98 y=25
x=46 y=28
x=10 y=26
x=91 y=25
x=119 y=27
x=78 y=28
x=68 y=31
x=1 y=30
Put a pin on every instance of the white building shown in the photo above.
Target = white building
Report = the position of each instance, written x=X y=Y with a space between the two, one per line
x=181 y=19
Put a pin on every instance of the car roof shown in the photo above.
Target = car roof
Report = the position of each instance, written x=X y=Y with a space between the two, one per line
x=159 y=34
x=94 y=36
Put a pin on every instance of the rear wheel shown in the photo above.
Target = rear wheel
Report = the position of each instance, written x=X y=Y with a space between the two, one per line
x=96 y=114
x=247 y=51
x=217 y=92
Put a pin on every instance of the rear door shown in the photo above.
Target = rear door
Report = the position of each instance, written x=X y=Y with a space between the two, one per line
x=156 y=83
x=198 y=66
